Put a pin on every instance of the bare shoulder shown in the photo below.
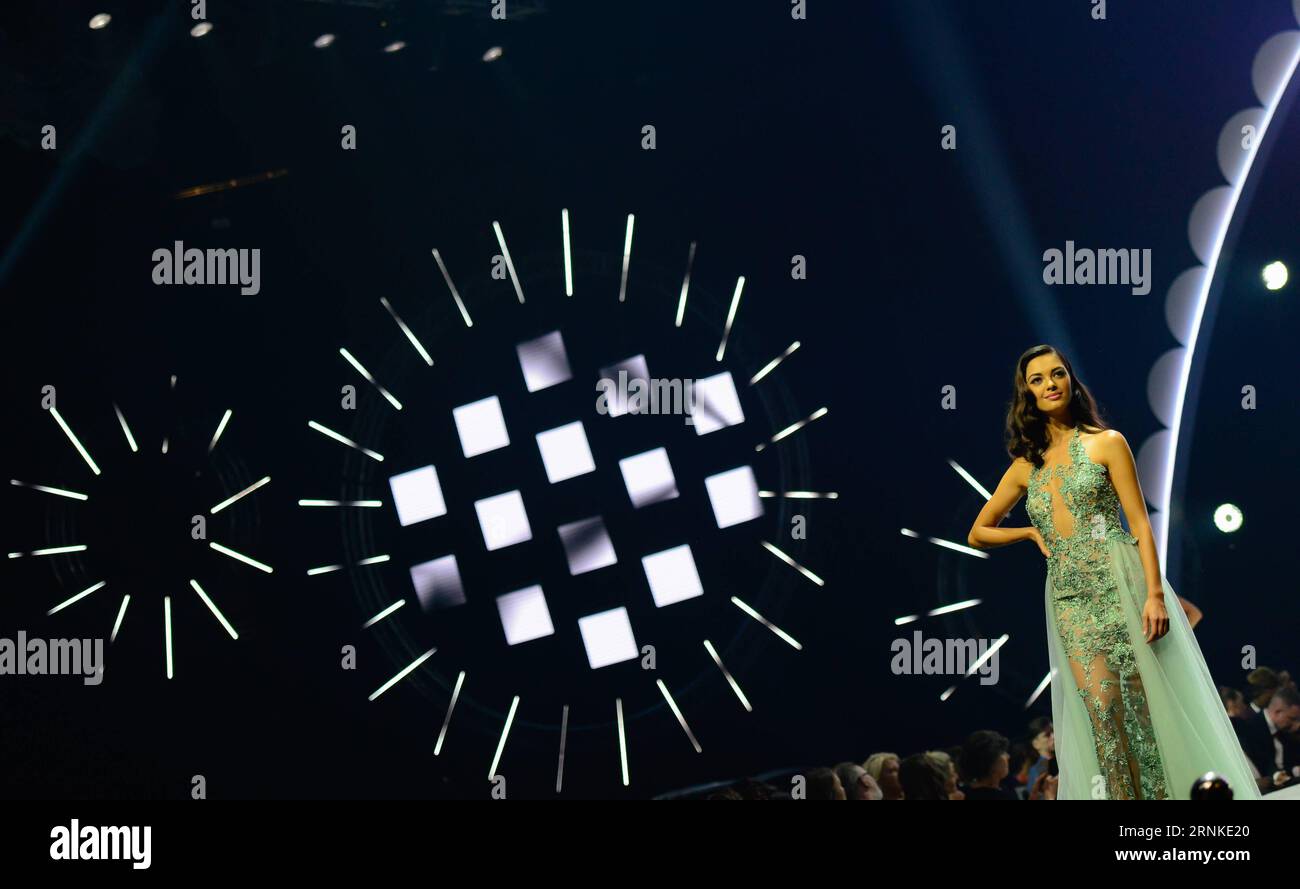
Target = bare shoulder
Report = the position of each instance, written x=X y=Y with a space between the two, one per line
x=1018 y=472
x=1104 y=444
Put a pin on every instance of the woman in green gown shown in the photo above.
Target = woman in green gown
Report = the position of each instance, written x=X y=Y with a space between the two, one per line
x=1135 y=710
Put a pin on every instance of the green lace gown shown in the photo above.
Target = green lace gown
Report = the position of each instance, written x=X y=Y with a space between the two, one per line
x=1133 y=720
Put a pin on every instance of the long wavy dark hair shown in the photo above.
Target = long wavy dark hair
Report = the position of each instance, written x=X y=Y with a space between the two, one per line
x=1026 y=433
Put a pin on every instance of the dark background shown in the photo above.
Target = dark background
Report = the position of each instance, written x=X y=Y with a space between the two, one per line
x=775 y=137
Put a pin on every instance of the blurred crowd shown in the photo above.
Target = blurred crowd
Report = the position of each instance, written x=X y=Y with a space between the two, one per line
x=989 y=765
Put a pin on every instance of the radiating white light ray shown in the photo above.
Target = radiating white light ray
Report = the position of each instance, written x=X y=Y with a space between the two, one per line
x=383 y=614
x=369 y=377
x=164 y=444
x=622 y=739
x=221 y=427
x=59 y=492
x=324 y=569
x=510 y=265
x=374 y=560
x=126 y=430
x=505 y=732
x=947 y=693
x=240 y=557
x=77 y=598
x=371 y=504
x=229 y=500
x=793 y=564
x=731 y=317
x=402 y=674
x=955 y=606
x=121 y=613
x=946 y=544
x=564 y=737
x=330 y=433
x=568 y=262
x=52 y=551
x=792 y=428
x=213 y=608
x=1042 y=687
x=801 y=495
x=410 y=334
x=451 y=705
x=680 y=718
x=452 y=287
x=731 y=680
x=686 y=285
x=907 y=619
x=771 y=365
x=765 y=622
x=970 y=479
x=76 y=443
x=627 y=258
x=992 y=649
x=167 y=632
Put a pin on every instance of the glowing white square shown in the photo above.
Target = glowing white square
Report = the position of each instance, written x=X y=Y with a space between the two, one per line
x=503 y=520
x=438 y=584
x=607 y=636
x=524 y=615
x=672 y=575
x=587 y=545
x=633 y=368
x=649 y=477
x=417 y=495
x=565 y=452
x=717 y=405
x=734 y=495
x=480 y=426
x=544 y=361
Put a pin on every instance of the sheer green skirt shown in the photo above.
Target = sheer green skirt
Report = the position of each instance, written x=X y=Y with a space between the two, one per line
x=1132 y=719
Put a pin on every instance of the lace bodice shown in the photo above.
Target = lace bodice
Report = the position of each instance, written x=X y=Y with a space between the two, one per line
x=1075 y=507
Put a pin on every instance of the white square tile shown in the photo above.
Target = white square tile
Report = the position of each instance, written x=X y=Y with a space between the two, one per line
x=672 y=575
x=587 y=545
x=734 y=495
x=437 y=584
x=633 y=368
x=565 y=452
x=649 y=477
x=717 y=405
x=417 y=495
x=544 y=361
x=607 y=636
x=524 y=615
x=481 y=426
x=503 y=520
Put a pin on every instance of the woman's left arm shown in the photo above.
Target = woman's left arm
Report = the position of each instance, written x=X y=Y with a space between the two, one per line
x=1123 y=474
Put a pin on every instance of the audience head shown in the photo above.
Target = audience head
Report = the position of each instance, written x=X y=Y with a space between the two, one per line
x=923 y=777
x=1234 y=702
x=1042 y=737
x=883 y=767
x=1284 y=708
x=984 y=757
x=857 y=783
x=823 y=784
x=1263 y=682
x=949 y=769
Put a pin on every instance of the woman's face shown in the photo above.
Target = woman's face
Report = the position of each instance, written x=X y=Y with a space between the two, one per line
x=1045 y=742
x=889 y=776
x=1049 y=383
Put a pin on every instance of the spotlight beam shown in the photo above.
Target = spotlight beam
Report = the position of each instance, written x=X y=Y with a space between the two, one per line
x=793 y=564
x=330 y=433
x=446 y=276
x=686 y=285
x=568 y=257
x=221 y=427
x=451 y=705
x=77 y=598
x=240 y=557
x=58 y=492
x=564 y=736
x=229 y=500
x=369 y=377
x=76 y=442
x=383 y=614
x=410 y=335
x=216 y=612
x=627 y=258
x=792 y=428
x=772 y=365
x=126 y=430
x=680 y=718
x=731 y=680
x=782 y=634
x=505 y=733
x=510 y=264
x=731 y=317
x=402 y=674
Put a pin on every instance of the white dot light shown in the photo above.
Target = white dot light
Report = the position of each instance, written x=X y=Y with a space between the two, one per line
x=323 y=41
x=395 y=46
x=1275 y=275
x=493 y=54
x=200 y=29
x=100 y=21
x=1227 y=518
